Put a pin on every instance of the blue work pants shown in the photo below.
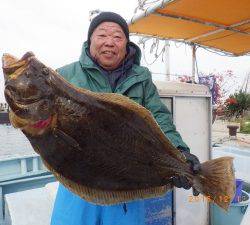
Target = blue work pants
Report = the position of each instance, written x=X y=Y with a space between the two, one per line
x=70 y=209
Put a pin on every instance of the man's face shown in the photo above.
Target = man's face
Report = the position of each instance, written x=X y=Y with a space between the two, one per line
x=108 y=45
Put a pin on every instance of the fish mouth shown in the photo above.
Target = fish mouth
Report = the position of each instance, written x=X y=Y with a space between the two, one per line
x=27 y=101
x=24 y=106
x=24 y=103
x=31 y=110
x=27 y=104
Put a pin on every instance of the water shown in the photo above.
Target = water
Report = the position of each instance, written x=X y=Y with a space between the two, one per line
x=13 y=142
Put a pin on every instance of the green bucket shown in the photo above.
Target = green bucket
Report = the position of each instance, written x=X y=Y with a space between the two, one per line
x=235 y=213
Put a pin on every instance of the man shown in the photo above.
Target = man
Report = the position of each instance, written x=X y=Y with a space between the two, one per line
x=111 y=63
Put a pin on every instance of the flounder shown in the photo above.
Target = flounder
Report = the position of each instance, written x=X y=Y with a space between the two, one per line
x=102 y=146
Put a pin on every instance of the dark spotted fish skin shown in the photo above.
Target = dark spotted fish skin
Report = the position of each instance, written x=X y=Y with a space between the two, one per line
x=88 y=146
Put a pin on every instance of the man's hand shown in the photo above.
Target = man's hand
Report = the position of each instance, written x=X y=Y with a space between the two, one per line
x=182 y=181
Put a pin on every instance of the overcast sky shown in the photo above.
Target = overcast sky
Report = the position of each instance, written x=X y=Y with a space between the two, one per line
x=55 y=30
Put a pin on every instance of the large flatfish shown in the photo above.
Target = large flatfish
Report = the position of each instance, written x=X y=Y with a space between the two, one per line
x=102 y=146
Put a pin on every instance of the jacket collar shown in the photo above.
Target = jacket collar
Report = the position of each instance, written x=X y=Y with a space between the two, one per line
x=137 y=75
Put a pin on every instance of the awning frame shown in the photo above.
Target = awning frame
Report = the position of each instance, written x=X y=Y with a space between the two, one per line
x=191 y=40
x=221 y=27
x=215 y=50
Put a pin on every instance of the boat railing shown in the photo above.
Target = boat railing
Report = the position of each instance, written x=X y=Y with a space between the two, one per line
x=20 y=173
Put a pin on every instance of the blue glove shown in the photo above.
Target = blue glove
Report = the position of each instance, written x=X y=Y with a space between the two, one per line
x=182 y=181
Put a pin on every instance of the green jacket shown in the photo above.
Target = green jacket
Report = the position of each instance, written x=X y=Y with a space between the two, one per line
x=138 y=86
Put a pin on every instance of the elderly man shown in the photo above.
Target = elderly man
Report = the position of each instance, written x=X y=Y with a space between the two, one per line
x=111 y=63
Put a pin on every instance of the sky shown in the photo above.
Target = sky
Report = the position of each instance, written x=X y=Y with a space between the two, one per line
x=55 y=29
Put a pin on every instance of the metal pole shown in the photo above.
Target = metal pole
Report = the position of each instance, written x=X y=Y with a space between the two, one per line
x=193 y=62
x=149 y=10
x=1 y=204
x=167 y=58
x=248 y=81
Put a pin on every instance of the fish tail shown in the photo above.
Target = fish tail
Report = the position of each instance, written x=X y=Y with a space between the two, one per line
x=217 y=181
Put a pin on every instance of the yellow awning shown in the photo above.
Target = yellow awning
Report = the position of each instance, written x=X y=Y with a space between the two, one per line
x=219 y=24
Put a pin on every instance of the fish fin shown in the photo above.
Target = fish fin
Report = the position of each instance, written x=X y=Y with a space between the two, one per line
x=217 y=181
x=102 y=197
x=65 y=137
x=10 y=65
x=8 y=60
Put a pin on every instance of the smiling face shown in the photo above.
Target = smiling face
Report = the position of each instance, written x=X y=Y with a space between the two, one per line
x=108 y=45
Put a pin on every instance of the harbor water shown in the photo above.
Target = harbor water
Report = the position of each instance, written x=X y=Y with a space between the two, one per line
x=13 y=142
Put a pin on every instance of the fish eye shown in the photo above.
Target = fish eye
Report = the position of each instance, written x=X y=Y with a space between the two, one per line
x=45 y=71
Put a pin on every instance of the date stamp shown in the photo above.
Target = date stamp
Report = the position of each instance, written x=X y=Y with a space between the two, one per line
x=202 y=198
